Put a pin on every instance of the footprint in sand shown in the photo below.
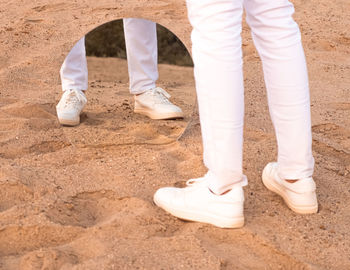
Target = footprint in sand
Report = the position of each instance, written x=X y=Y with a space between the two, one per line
x=28 y=129
x=104 y=208
x=14 y=195
x=47 y=259
x=25 y=110
x=155 y=133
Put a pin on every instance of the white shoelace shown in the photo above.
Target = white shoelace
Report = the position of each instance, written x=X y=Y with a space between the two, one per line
x=163 y=96
x=73 y=98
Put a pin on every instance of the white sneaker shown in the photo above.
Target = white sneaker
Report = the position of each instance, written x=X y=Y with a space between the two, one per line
x=70 y=106
x=156 y=105
x=197 y=203
x=300 y=196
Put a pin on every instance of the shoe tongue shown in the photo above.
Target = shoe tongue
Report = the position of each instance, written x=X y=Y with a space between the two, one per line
x=72 y=97
x=162 y=91
x=75 y=96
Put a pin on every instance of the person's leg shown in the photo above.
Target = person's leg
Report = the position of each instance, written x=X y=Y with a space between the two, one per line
x=74 y=77
x=142 y=54
x=217 y=57
x=278 y=41
x=74 y=71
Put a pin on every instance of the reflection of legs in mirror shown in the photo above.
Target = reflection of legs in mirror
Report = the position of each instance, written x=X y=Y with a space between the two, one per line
x=218 y=197
x=141 y=46
x=74 y=77
x=142 y=55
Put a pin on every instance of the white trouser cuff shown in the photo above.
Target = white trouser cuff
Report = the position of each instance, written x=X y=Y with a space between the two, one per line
x=218 y=186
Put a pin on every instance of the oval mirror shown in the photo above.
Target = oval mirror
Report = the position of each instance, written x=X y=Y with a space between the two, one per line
x=137 y=82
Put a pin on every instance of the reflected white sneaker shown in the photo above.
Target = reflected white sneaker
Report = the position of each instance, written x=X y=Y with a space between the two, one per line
x=300 y=196
x=155 y=104
x=197 y=203
x=70 y=106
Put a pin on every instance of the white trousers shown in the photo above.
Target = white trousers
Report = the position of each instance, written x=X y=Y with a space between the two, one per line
x=142 y=57
x=217 y=55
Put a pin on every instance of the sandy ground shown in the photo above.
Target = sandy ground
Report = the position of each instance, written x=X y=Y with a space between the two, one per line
x=81 y=198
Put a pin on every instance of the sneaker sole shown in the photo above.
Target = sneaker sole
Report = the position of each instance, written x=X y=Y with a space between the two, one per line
x=157 y=116
x=269 y=184
x=69 y=122
x=218 y=221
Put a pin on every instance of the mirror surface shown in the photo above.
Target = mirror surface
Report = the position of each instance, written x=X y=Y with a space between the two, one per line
x=124 y=60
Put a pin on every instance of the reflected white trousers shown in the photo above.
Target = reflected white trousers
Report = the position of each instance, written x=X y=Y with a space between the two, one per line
x=142 y=57
x=217 y=55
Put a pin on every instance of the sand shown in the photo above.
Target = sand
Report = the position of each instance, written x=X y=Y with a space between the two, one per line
x=81 y=198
